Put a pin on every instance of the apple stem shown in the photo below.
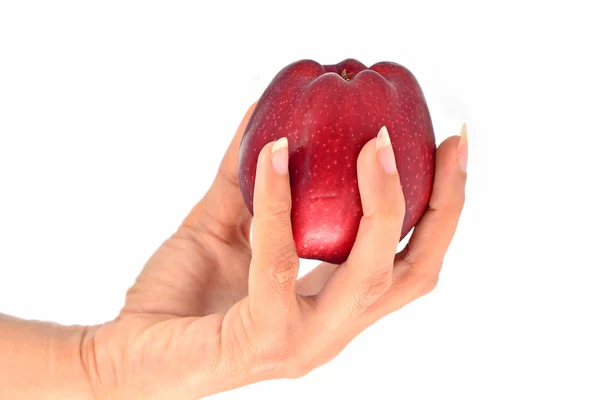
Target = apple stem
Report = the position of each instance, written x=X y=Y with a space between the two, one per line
x=345 y=74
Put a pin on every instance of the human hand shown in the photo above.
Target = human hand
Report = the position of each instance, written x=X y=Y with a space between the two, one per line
x=208 y=314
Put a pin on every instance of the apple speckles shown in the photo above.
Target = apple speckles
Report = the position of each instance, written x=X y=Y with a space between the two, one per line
x=327 y=121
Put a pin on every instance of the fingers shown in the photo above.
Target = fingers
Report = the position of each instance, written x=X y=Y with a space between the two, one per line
x=417 y=267
x=223 y=204
x=383 y=206
x=433 y=234
x=275 y=263
x=358 y=292
x=367 y=273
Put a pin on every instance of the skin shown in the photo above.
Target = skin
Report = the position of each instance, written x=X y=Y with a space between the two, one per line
x=208 y=313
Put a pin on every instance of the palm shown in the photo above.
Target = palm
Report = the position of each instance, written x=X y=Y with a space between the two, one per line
x=191 y=275
x=200 y=271
x=203 y=268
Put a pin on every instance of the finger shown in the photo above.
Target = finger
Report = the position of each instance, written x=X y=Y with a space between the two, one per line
x=223 y=206
x=274 y=265
x=431 y=238
x=417 y=267
x=367 y=273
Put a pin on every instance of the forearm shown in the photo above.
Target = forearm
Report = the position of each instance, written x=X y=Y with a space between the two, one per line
x=40 y=360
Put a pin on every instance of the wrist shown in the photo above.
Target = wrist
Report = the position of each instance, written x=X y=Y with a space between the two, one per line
x=66 y=366
x=41 y=360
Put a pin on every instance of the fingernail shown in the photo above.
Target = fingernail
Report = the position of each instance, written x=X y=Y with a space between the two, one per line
x=279 y=156
x=385 y=153
x=463 y=149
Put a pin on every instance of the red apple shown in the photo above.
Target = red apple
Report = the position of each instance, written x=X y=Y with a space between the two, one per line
x=328 y=113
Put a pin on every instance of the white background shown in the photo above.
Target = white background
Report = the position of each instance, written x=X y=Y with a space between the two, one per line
x=114 y=116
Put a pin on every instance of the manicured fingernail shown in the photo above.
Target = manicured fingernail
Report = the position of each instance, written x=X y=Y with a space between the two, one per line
x=463 y=149
x=385 y=153
x=279 y=156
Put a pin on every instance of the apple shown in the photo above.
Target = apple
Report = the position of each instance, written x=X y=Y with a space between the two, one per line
x=328 y=113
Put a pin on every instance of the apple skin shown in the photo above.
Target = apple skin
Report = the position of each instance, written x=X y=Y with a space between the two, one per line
x=328 y=113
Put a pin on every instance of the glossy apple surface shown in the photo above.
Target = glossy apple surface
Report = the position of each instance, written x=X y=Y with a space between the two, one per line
x=328 y=113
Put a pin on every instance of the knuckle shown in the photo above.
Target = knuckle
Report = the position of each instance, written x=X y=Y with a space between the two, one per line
x=282 y=281
x=282 y=266
x=277 y=209
x=376 y=285
x=380 y=280
x=285 y=260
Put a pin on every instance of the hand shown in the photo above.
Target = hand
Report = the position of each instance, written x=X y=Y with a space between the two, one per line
x=208 y=314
